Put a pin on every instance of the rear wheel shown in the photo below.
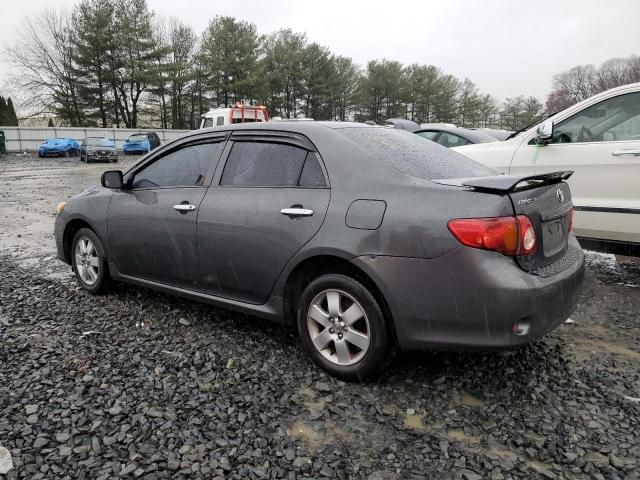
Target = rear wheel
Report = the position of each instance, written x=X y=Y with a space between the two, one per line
x=89 y=262
x=342 y=327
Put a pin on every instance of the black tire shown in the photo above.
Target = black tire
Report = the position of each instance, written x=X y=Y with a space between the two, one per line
x=115 y=160
x=102 y=281
x=380 y=348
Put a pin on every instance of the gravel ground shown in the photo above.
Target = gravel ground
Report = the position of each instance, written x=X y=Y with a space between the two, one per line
x=138 y=384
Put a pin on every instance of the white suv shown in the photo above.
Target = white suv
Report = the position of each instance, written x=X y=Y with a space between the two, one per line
x=599 y=139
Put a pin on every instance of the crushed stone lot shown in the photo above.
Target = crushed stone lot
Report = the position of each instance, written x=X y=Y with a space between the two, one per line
x=139 y=384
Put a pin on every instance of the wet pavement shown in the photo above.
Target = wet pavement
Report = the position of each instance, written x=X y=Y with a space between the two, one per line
x=172 y=388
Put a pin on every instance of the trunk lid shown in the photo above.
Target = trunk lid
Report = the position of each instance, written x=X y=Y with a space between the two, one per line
x=544 y=198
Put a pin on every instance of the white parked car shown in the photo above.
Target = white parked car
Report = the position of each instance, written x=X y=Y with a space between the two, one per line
x=599 y=139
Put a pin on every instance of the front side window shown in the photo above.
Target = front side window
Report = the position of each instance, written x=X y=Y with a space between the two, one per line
x=263 y=164
x=611 y=120
x=185 y=167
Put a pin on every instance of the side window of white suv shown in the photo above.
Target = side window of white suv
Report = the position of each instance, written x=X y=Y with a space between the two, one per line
x=611 y=120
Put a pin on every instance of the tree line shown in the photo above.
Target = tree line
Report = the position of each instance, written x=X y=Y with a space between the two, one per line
x=584 y=81
x=116 y=63
x=8 y=115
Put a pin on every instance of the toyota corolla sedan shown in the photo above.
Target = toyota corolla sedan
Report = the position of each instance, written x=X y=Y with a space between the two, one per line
x=367 y=239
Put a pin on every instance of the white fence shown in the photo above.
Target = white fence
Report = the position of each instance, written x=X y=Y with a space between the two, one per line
x=21 y=139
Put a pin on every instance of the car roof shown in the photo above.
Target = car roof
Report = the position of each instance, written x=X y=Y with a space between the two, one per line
x=470 y=135
x=403 y=123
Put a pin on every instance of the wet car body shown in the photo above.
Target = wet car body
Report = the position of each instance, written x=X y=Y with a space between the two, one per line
x=381 y=215
x=58 y=147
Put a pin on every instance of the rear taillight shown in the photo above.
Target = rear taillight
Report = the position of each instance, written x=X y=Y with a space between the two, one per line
x=507 y=235
x=570 y=220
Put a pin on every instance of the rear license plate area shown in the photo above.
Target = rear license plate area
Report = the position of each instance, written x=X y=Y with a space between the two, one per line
x=553 y=237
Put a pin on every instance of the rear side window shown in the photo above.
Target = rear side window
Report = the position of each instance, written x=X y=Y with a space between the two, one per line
x=185 y=167
x=312 y=175
x=428 y=135
x=410 y=154
x=263 y=164
x=449 y=140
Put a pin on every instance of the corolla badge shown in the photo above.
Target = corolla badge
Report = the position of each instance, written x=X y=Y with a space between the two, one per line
x=560 y=195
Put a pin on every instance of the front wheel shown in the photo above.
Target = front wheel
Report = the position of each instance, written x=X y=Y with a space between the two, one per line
x=89 y=262
x=342 y=327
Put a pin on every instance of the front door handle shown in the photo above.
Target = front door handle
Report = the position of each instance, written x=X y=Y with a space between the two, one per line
x=296 y=212
x=630 y=151
x=184 y=207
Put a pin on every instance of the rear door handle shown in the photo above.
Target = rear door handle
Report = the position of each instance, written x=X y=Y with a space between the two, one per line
x=184 y=207
x=630 y=151
x=296 y=212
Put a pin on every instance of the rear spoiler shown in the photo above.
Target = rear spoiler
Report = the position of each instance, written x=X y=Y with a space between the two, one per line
x=507 y=183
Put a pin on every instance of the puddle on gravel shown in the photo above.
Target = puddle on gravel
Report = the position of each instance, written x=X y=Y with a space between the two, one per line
x=414 y=422
x=583 y=349
x=464 y=399
x=460 y=436
x=299 y=430
x=502 y=453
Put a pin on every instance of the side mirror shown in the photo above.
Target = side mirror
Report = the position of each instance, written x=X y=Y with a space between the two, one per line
x=544 y=134
x=112 y=179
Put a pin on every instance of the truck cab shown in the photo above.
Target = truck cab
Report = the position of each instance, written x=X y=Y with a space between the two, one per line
x=239 y=113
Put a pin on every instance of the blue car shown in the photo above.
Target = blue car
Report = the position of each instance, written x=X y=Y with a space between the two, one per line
x=59 y=147
x=140 y=143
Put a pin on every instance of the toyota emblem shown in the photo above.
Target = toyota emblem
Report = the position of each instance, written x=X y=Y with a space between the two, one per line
x=560 y=195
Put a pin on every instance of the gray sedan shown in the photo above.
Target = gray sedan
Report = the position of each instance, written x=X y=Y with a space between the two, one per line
x=367 y=239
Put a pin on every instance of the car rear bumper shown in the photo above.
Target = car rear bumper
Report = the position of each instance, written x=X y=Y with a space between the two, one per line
x=472 y=298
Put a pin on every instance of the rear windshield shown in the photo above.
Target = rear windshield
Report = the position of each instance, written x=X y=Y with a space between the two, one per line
x=137 y=138
x=413 y=154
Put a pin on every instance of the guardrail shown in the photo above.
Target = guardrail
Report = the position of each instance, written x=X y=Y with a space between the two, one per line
x=21 y=139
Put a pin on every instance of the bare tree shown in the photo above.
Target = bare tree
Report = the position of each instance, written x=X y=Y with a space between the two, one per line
x=43 y=66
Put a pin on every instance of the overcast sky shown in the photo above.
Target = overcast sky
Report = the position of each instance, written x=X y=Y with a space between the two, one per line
x=507 y=48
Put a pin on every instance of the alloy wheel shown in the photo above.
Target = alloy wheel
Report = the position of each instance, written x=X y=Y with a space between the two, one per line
x=338 y=327
x=87 y=261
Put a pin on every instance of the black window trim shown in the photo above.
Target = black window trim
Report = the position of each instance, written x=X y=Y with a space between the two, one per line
x=168 y=149
x=277 y=137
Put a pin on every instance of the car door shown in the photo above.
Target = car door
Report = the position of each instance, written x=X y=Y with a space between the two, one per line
x=601 y=143
x=152 y=222
x=271 y=199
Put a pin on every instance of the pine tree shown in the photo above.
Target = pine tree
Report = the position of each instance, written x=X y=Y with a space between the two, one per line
x=51 y=125
x=3 y=111
x=11 y=117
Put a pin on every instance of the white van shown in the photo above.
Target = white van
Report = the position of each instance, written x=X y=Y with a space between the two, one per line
x=237 y=114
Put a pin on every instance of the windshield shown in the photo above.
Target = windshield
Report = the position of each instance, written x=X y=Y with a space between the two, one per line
x=412 y=155
x=137 y=138
x=99 y=142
